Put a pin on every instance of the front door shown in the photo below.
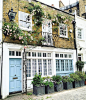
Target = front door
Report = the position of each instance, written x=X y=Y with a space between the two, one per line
x=15 y=75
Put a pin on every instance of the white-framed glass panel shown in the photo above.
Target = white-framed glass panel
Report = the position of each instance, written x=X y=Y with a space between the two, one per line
x=63 y=30
x=85 y=8
x=47 y=32
x=49 y=67
x=79 y=33
x=66 y=65
x=57 y=65
x=61 y=55
x=39 y=54
x=40 y=66
x=18 y=53
x=70 y=65
x=33 y=54
x=34 y=67
x=29 y=54
x=62 y=65
x=48 y=54
x=25 y=21
x=28 y=68
x=11 y=53
x=44 y=54
x=45 y=66
x=65 y=55
x=79 y=57
x=57 y=55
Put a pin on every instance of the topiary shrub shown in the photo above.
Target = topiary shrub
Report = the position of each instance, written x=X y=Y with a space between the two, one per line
x=80 y=65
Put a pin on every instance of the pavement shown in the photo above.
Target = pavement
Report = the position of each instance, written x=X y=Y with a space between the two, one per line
x=72 y=94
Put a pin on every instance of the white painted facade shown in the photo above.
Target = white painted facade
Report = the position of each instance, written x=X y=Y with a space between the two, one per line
x=81 y=43
x=16 y=47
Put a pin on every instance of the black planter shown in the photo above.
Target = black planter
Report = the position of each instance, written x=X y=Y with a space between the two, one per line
x=76 y=84
x=58 y=87
x=67 y=85
x=49 y=89
x=38 y=90
x=82 y=83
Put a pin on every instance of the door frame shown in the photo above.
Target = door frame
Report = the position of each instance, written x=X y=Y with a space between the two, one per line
x=21 y=76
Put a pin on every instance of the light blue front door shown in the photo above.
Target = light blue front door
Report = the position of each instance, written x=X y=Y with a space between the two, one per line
x=14 y=75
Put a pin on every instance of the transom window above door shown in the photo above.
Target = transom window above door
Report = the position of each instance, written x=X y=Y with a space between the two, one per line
x=63 y=30
x=25 y=21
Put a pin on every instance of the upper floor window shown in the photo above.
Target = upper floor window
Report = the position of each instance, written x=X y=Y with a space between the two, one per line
x=47 y=32
x=63 y=30
x=25 y=21
x=80 y=33
x=85 y=8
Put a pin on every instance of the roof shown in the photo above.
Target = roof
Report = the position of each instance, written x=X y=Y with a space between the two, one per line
x=69 y=6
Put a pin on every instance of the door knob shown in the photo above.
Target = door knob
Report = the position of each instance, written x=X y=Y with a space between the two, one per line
x=15 y=75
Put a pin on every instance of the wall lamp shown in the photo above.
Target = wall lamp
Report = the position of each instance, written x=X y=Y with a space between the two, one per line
x=11 y=14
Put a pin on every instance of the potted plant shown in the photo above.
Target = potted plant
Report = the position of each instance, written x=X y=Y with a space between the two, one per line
x=80 y=65
x=82 y=76
x=38 y=86
x=58 y=84
x=49 y=86
x=67 y=82
x=76 y=79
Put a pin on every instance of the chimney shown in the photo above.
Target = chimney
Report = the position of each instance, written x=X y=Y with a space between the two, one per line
x=52 y=5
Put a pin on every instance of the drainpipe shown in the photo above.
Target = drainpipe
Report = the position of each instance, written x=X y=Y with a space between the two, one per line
x=1 y=43
x=74 y=31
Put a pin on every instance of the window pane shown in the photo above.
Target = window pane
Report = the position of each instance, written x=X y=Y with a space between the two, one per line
x=61 y=55
x=62 y=65
x=45 y=66
x=12 y=53
x=57 y=65
x=33 y=54
x=19 y=53
x=39 y=66
x=29 y=54
x=28 y=68
x=49 y=54
x=34 y=70
x=57 y=55
x=49 y=67
x=44 y=54
x=39 y=54
x=9 y=53
x=16 y=53
x=70 y=65
x=66 y=65
x=65 y=55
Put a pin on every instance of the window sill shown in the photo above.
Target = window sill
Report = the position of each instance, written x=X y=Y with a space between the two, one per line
x=63 y=37
x=25 y=29
x=81 y=39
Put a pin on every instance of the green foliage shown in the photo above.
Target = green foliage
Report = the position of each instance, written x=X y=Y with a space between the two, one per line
x=75 y=77
x=29 y=93
x=49 y=83
x=67 y=79
x=80 y=64
x=81 y=75
x=37 y=80
x=57 y=79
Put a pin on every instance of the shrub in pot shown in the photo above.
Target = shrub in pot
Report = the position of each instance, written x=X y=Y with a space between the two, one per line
x=82 y=76
x=38 y=85
x=76 y=79
x=67 y=82
x=80 y=65
x=58 y=84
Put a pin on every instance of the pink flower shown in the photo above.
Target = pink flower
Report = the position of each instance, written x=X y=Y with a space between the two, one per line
x=20 y=38
x=22 y=41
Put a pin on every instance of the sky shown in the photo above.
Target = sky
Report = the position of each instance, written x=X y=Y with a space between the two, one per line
x=56 y=2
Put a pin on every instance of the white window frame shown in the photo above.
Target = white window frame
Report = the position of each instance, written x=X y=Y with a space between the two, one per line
x=30 y=21
x=78 y=33
x=46 y=32
x=63 y=30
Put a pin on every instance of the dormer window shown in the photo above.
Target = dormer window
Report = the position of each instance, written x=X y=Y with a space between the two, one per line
x=25 y=21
